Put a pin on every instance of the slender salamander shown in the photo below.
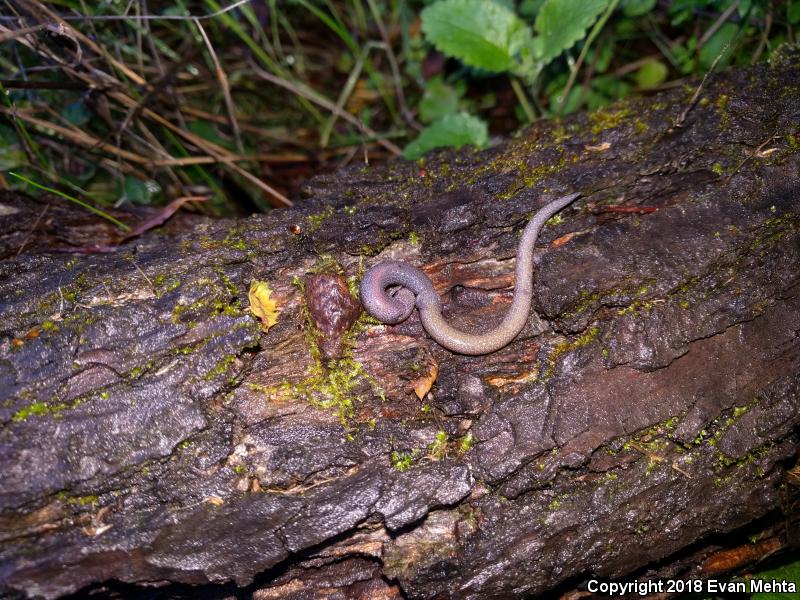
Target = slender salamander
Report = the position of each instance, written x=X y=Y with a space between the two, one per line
x=416 y=289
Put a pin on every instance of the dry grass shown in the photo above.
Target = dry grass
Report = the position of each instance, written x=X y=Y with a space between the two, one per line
x=123 y=107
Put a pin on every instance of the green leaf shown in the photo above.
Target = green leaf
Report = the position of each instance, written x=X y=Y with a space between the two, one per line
x=793 y=12
x=138 y=191
x=509 y=4
x=561 y=23
x=481 y=34
x=208 y=131
x=529 y=8
x=651 y=74
x=439 y=99
x=716 y=44
x=745 y=6
x=604 y=90
x=11 y=157
x=637 y=8
x=451 y=131
x=786 y=572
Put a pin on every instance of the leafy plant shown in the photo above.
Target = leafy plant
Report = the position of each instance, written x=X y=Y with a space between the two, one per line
x=790 y=571
x=542 y=46
x=452 y=130
x=246 y=100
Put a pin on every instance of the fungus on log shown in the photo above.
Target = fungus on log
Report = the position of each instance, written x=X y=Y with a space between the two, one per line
x=153 y=433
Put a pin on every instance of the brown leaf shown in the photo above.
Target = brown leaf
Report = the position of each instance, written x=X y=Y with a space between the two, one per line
x=423 y=385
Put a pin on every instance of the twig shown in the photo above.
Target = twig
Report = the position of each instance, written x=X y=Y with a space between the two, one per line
x=754 y=153
x=146 y=278
x=226 y=89
x=717 y=24
x=77 y=136
x=398 y=85
x=679 y=122
x=10 y=34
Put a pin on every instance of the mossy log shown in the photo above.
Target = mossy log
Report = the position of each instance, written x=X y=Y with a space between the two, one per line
x=154 y=434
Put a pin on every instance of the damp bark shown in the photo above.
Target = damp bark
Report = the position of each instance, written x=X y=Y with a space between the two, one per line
x=152 y=433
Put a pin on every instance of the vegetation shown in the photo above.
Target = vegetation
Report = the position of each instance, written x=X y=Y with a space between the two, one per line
x=116 y=102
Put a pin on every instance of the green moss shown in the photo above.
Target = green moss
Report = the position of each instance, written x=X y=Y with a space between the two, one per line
x=566 y=346
x=602 y=120
x=413 y=238
x=315 y=221
x=234 y=241
x=139 y=370
x=332 y=384
x=215 y=302
x=738 y=411
x=586 y=299
x=49 y=326
x=717 y=169
x=559 y=135
x=220 y=368
x=635 y=307
x=35 y=409
x=437 y=449
x=372 y=249
x=87 y=500
x=557 y=502
x=402 y=461
x=531 y=176
x=465 y=443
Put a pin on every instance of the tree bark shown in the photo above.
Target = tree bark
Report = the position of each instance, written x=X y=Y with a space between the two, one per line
x=154 y=434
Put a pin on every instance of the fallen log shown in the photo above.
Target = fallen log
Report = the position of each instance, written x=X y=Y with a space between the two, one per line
x=155 y=432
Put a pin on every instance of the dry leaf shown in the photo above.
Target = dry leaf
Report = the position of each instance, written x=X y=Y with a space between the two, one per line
x=558 y=242
x=599 y=148
x=423 y=385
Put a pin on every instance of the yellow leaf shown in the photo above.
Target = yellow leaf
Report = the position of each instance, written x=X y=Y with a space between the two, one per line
x=261 y=305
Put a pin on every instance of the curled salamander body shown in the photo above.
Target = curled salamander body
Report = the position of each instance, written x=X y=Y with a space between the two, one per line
x=417 y=290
